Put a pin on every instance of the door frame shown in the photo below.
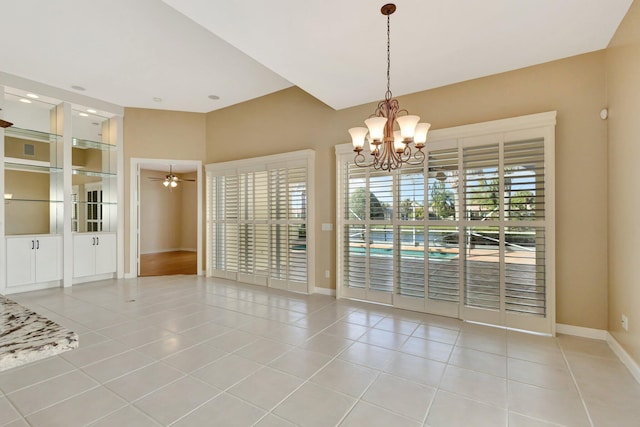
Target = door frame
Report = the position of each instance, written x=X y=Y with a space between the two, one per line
x=134 y=211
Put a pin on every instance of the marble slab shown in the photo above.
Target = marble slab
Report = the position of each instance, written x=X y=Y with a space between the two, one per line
x=25 y=336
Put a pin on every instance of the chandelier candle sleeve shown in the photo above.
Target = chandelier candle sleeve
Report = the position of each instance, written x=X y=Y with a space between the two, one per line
x=390 y=148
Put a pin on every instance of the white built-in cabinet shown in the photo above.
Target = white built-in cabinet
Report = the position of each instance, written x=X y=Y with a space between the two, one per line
x=60 y=167
x=33 y=259
x=93 y=254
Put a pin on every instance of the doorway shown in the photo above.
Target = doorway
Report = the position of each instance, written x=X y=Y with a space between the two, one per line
x=166 y=214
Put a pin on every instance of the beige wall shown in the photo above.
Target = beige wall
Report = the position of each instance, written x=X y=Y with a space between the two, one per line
x=14 y=147
x=292 y=120
x=157 y=134
x=27 y=217
x=623 y=93
x=169 y=215
x=161 y=209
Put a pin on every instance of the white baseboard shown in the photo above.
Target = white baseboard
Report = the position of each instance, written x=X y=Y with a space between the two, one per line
x=579 y=331
x=130 y=275
x=324 y=291
x=603 y=335
x=625 y=358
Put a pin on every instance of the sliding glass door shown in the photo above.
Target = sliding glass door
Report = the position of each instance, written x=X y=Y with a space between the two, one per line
x=469 y=234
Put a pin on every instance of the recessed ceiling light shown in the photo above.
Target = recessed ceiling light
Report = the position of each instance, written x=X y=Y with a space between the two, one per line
x=156 y=99
x=84 y=114
x=214 y=97
x=25 y=100
x=76 y=87
x=33 y=95
x=92 y=111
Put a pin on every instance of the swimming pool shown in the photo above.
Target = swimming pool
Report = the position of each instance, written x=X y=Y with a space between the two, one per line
x=404 y=253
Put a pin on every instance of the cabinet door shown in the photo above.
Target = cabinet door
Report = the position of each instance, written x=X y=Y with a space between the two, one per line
x=105 y=253
x=84 y=255
x=48 y=263
x=20 y=261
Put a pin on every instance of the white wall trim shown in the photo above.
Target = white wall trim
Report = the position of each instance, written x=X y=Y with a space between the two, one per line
x=130 y=275
x=262 y=160
x=579 y=331
x=625 y=358
x=324 y=291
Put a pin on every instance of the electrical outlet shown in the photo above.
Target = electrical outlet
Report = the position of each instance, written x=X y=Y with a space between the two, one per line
x=327 y=274
x=625 y=323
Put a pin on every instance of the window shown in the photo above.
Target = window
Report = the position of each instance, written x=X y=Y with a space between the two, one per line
x=94 y=207
x=469 y=234
x=257 y=220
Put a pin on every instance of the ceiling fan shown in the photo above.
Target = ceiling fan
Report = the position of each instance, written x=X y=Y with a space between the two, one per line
x=170 y=180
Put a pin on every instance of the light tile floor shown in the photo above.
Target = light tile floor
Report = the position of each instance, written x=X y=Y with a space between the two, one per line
x=187 y=351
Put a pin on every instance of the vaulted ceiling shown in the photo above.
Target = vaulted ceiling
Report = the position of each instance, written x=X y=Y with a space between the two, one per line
x=174 y=54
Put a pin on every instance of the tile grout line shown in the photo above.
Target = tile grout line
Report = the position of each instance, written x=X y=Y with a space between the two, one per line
x=575 y=383
x=264 y=366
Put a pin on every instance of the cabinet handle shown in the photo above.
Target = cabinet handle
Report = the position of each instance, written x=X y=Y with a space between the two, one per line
x=33 y=244
x=37 y=244
x=97 y=240
x=93 y=241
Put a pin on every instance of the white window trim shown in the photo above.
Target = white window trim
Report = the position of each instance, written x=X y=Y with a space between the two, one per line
x=541 y=124
x=275 y=160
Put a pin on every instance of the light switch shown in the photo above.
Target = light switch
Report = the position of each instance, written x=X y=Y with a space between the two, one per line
x=327 y=227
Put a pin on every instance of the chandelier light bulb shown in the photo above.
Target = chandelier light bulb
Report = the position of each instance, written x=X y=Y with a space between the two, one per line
x=376 y=127
x=398 y=142
x=174 y=184
x=165 y=183
x=407 y=126
x=357 y=137
x=420 y=136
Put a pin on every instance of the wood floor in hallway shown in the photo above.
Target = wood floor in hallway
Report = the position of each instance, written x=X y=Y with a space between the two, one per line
x=168 y=263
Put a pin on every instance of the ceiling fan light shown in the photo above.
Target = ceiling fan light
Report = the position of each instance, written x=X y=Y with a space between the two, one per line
x=165 y=183
x=174 y=184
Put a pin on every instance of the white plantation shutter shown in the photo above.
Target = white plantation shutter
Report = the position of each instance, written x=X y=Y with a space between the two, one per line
x=482 y=203
x=443 y=235
x=524 y=199
x=468 y=234
x=410 y=231
x=258 y=221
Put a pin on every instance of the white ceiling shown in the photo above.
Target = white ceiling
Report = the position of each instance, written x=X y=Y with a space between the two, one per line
x=129 y=52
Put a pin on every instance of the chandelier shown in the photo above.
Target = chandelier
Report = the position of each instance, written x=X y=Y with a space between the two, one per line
x=390 y=148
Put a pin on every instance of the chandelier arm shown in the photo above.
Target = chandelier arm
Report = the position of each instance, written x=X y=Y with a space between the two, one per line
x=419 y=157
x=359 y=160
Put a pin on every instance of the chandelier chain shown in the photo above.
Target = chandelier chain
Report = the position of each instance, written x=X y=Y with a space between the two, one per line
x=388 y=94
